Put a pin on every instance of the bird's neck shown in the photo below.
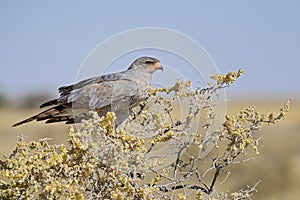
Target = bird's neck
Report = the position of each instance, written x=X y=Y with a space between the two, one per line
x=144 y=75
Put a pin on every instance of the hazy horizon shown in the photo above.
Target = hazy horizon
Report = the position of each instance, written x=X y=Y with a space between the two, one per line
x=43 y=44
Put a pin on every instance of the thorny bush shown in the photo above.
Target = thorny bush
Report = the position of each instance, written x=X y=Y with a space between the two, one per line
x=105 y=162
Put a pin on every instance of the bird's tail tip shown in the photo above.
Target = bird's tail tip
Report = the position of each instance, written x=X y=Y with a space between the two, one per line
x=45 y=115
x=24 y=121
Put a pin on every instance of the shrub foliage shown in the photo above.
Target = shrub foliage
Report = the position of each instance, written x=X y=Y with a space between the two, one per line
x=101 y=161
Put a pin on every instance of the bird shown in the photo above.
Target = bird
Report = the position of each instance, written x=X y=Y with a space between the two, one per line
x=117 y=92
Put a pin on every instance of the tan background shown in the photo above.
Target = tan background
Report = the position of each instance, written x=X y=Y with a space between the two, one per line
x=278 y=165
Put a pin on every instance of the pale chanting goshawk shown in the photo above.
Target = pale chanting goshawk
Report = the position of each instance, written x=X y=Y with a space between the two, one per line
x=117 y=92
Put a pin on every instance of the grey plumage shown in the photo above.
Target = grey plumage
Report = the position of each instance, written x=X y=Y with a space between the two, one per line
x=117 y=92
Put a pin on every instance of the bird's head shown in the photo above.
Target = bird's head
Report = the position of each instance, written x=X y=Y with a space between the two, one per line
x=146 y=63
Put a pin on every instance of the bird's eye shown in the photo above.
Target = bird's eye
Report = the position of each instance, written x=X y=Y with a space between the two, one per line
x=148 y=62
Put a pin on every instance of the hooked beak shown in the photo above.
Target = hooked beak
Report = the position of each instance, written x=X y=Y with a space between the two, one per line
x=156 y=66
x=159 y=66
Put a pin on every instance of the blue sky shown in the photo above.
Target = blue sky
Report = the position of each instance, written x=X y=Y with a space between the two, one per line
x=43 y=44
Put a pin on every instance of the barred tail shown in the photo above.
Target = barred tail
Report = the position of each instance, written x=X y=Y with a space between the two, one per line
x=26 y=121
x=50 y=115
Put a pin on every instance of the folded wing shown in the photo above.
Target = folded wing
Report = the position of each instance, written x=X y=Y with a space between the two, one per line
x=102 y=94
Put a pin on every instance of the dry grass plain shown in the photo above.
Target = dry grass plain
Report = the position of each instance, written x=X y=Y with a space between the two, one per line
x=278 y=165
